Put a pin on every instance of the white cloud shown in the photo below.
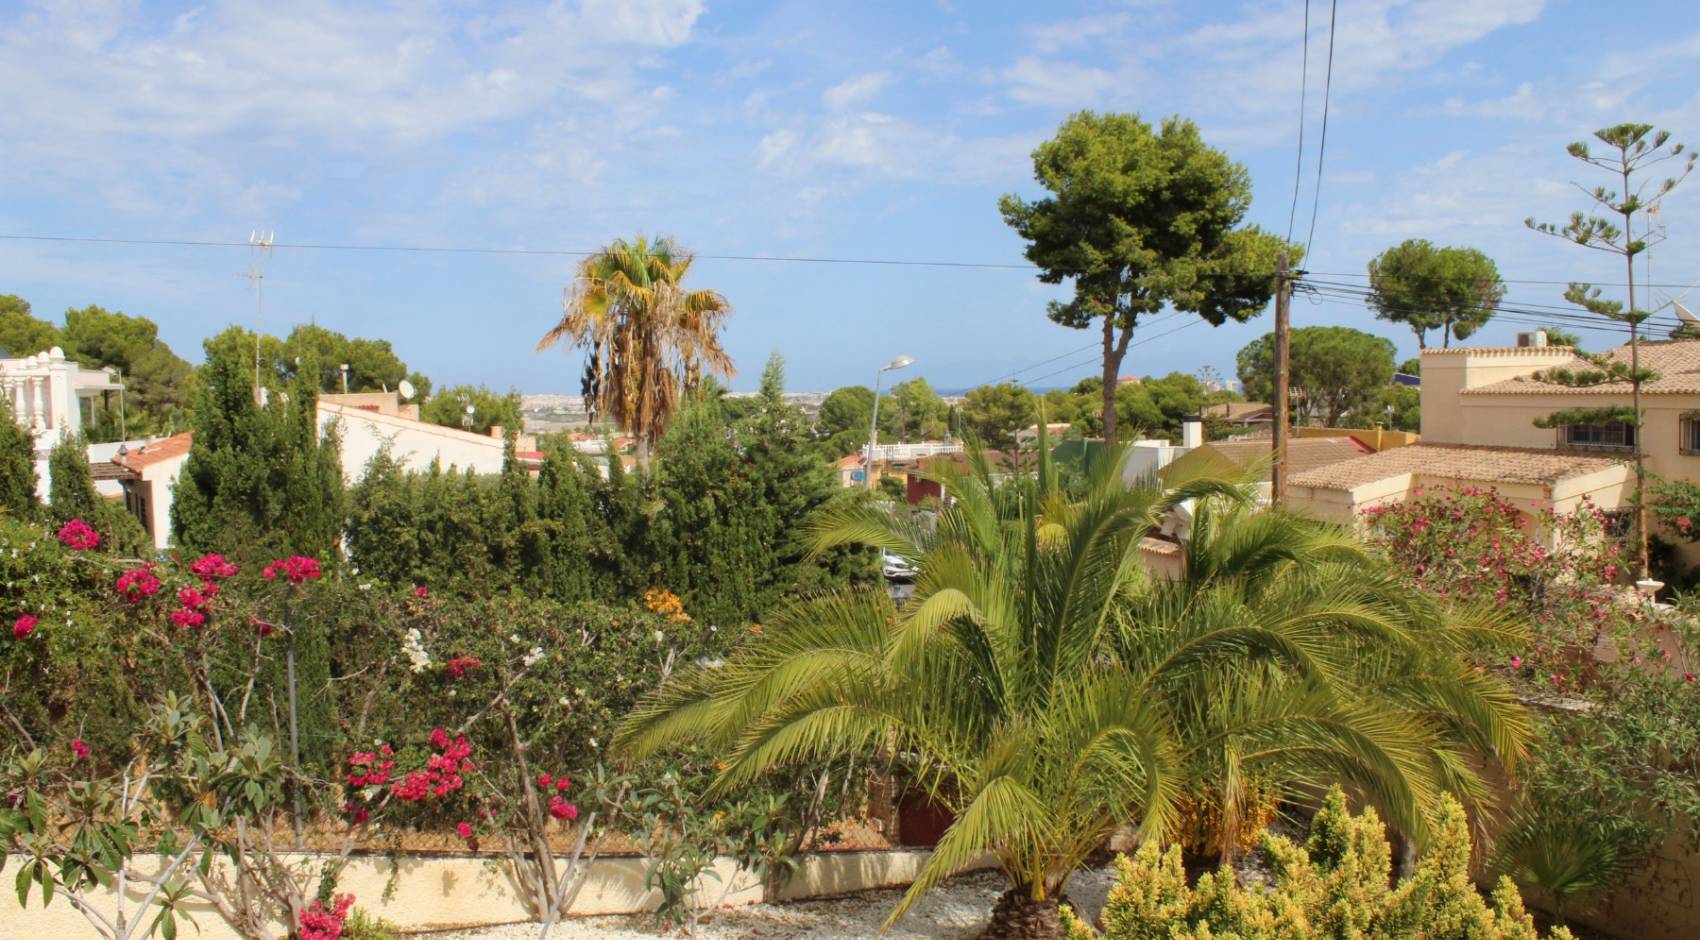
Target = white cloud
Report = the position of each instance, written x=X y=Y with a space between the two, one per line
x=1085 y=30
x=1036 y=81
x=775 y=147
x=105 y=94
x=854 y=91
x=1521 y=104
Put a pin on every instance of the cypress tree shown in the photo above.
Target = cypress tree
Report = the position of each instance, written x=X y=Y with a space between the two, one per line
x=259 y=482
x=17 y=467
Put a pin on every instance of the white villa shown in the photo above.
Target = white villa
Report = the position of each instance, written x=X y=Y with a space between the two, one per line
x=51 y=395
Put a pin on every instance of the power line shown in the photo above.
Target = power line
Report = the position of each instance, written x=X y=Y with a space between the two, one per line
x=556 y=252
x=1513 y=280
x=1299 y=161
x=1322 y=143
x=1551 y=313
x=1191 y=322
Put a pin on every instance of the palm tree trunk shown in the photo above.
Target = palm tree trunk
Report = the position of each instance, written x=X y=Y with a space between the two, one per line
x=1017 y=916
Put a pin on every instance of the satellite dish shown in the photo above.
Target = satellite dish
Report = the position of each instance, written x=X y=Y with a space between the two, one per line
x=471 y=410
x=1684 y=314
x=406 y=389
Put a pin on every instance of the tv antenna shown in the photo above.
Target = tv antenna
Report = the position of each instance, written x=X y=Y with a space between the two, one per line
x=259 y=249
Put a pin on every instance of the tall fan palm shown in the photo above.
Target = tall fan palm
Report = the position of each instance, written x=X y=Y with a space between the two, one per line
x=1046 y=689
x=648 y=337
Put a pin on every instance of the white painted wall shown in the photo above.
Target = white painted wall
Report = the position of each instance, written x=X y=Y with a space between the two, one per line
x=415 y=443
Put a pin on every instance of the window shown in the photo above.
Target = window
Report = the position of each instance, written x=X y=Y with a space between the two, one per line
x=1688 y=436
x=1613 y=435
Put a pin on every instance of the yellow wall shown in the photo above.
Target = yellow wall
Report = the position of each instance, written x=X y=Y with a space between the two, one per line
x=1446 y=372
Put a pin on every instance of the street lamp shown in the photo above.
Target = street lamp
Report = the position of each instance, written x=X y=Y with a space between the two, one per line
x=901 y=362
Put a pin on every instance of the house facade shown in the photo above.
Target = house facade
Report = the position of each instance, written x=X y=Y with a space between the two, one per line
x=1479 y=408
x=51 y=395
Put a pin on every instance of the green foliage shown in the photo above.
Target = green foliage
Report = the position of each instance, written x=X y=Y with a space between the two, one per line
x=1155 y=406
x=372 y=363
x=917 y=412
x=1397 y=407
x=21 y=334
x=993 y=413
x=1427 y=287
x=489 y=410
x=1559 y=336
x=847 y=409
x=1335 y=885
x=1044 y=688
x=1138 y=219
x=1335 y=369
x=71 y=495
x=17 y=467
x=260 y=481
x=361 y=925
x=715 y=519
x=159 y=384
x=1572 y=417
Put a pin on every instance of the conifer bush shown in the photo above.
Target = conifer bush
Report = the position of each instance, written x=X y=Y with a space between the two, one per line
x=1336 y=884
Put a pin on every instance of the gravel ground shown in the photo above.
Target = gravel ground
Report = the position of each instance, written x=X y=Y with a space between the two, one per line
x=957 y=910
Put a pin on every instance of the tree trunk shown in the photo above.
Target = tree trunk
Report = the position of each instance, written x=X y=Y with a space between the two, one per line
x=1115 y=349
x=1112 y=368
x=1018 y=917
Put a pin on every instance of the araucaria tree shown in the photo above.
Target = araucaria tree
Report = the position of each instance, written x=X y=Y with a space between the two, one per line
x=1138 y=218
x=1428 y=287
x=1630 y=151
x=1046 y=690
x=648 y=337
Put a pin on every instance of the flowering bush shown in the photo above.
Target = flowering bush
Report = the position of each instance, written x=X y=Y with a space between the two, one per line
x=79 y=535
x=295 y=569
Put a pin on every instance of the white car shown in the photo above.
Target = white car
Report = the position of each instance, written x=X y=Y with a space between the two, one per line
x=896 y=567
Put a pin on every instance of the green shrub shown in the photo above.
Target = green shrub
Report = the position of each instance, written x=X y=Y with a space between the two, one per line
x=363 y=926
x=1335 y=885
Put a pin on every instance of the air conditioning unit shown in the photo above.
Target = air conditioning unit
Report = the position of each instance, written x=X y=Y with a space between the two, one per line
x=1535 y=338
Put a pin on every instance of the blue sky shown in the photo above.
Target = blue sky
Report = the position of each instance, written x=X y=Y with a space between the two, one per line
x=868 y=130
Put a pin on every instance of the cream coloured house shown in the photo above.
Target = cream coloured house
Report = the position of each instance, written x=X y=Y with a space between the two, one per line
x=1479 y=408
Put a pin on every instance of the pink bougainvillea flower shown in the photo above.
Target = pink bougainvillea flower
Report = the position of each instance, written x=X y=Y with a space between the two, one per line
x=24 y=626
x=1516 y=662
x=561 y=809
x=317 y=923
x=295 y=569
x=544 y=781
x=459 y=666
x=562 y=784
x=421 y=591
x=187 y=618
x=79 y=535
x=79 y=749
x=463 y=829
x=212 y=568
x=137 y=584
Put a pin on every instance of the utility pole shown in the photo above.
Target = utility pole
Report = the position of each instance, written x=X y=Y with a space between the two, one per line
x=1283 y=379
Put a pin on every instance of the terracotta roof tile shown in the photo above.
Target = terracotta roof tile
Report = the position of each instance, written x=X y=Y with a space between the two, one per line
x=1458 y=461
x=174 y=446
x=1676 y=361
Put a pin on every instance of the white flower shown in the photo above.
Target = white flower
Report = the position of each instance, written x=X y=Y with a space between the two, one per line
x=534 y=657
x=659 y=636
x=367 y=586
x=593 y=743
x=565 y=702
x=413 y=647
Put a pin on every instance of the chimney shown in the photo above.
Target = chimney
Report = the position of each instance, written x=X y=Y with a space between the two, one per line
x=1192 y=431
x=1534 y=339
x=496 y=431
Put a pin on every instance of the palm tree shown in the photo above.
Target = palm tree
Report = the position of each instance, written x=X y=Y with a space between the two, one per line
x=648 y=337
x=1046 y=689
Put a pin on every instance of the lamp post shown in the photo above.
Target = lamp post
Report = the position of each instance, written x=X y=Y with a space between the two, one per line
x=900 y=362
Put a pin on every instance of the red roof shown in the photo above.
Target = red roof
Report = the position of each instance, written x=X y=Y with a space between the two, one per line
x=156 y=452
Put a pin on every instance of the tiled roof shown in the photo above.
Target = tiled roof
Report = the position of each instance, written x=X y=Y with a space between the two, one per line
x=161 y=450
x=1677 y=362
x=1303 y=454
x=101 y=470
x=1459 y=462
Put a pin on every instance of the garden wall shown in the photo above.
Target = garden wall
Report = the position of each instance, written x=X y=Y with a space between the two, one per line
x=458 y=891
x=1658 y=902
